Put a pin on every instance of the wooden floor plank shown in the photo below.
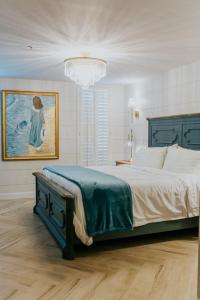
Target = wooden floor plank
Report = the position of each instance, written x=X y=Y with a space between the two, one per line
x=157 y=267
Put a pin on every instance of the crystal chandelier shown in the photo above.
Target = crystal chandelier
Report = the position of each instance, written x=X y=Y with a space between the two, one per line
x=85 y=71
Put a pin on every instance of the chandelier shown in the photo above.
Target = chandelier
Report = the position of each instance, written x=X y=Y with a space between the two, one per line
x=85 y=71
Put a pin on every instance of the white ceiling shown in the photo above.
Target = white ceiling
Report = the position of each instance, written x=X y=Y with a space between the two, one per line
x=136 y=37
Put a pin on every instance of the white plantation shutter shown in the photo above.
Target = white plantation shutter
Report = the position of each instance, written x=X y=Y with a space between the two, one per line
x=102 y=127
x=87 y=147
x=94 y=127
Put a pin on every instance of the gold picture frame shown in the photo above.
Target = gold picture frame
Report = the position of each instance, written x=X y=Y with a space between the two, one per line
x=24 y=135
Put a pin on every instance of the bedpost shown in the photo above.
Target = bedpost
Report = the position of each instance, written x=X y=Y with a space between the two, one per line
x=36 y=193
x=68 y=250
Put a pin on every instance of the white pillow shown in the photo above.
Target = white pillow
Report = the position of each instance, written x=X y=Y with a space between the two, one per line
x=152 y=157
x=180 y=160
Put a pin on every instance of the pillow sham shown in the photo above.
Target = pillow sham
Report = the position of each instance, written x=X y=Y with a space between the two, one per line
x=180 y=160
x=152 y=157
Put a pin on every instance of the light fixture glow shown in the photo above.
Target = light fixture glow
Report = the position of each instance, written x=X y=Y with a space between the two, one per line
x=85 y=71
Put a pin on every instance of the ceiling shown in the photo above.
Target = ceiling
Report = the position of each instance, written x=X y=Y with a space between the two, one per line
x=136 y=37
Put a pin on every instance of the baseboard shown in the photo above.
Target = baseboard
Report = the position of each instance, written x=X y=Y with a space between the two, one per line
x=20 y=195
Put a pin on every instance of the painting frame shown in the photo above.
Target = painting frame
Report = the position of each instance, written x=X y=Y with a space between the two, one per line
x=5 y=156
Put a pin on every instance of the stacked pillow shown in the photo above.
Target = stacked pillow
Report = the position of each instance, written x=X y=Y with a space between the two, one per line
x=150 y=157
x=182 y=160
x=173 y=158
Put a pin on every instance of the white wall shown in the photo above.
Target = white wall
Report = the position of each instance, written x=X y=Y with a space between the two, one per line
x=16 y=180
x=169 y=93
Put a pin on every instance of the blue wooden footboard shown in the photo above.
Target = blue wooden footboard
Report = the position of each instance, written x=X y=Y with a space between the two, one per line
x=55 y=207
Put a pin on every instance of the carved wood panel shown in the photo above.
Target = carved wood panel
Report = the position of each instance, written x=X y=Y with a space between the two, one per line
x=165 y=135
x=191 y=136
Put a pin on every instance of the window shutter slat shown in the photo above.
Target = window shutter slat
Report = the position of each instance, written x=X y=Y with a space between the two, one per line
x=94 y=127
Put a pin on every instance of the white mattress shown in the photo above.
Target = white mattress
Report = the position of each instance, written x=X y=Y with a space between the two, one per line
x=158 y=195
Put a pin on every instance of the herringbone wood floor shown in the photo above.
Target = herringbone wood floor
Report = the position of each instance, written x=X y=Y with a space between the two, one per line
x=161 y=267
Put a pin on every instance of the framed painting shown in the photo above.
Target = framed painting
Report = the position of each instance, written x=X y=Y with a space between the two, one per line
x=30 y=125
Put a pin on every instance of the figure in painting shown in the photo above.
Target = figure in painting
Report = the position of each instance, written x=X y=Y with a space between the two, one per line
x=37 y=124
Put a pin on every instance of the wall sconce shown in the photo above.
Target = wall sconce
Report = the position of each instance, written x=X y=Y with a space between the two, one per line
x=135 y=113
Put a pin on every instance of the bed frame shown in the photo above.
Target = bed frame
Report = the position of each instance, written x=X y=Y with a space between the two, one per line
x=55 y=205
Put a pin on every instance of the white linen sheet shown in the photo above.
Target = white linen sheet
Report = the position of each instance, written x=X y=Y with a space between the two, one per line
x=158 y=195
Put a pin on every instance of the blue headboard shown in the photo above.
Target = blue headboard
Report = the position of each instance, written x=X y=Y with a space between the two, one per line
x=182 y=129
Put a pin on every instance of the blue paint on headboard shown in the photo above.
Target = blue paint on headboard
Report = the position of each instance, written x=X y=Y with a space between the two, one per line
x=183 y=130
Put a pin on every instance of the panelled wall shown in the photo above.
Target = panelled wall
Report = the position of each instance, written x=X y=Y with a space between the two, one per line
x=169 y=93
x=16 y=180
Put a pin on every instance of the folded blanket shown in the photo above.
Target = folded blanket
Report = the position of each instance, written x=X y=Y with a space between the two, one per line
x=107 y=200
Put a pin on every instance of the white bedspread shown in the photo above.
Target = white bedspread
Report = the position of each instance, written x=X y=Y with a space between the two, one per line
x=158 y=195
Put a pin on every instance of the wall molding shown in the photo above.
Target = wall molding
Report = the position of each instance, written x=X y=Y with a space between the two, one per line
x=20 y=195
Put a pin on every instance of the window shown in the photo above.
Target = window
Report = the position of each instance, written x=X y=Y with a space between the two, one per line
x=94 y=127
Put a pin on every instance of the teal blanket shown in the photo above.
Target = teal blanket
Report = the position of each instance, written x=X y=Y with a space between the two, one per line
x=107 y=200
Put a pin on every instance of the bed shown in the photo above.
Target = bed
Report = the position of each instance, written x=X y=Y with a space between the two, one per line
x=56 y=200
